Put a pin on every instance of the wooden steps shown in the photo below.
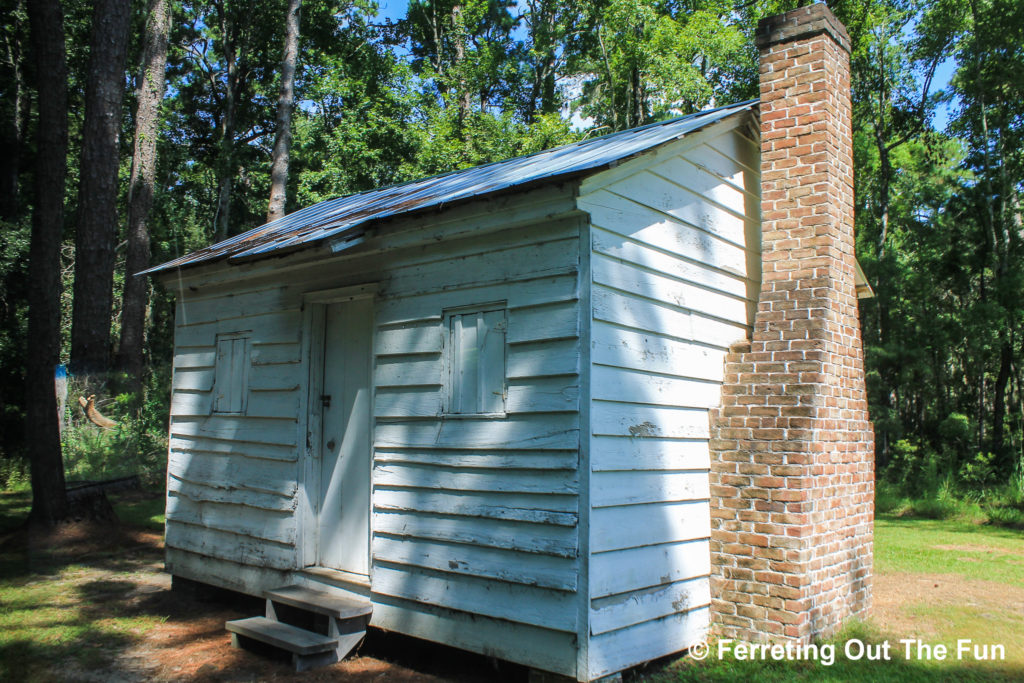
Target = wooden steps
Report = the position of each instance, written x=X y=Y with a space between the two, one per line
x=321 y=602
x=292 y=638
x=318 y=628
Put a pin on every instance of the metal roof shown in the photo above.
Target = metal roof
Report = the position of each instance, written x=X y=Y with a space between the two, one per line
x=332 y=218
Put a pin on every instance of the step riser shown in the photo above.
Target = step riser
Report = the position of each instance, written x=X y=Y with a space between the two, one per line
x=334 y=586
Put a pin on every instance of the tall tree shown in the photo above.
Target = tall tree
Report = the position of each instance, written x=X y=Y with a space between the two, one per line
x=283 y=127
x=465 y=50
x=13 y=103
x=898 y=46
x=97 y=222
x=149 y=95
x=49 y=498
x=990 y=82
x=651 y=58
x=554 y=30
x=233 y=43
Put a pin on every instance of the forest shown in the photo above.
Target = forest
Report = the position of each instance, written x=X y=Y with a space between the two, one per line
x=135 y=131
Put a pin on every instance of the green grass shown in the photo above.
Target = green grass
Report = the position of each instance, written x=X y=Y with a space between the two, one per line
x=977 y=568
x=141 y=509
x=146 y=512
x=1001 y=506
x=44 y=622
x=68 y=613
x=972 y=551
x=14 y=507
x=67 y=609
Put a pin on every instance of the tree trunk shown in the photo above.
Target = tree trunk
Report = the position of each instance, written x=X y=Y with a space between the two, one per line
x=140 y=192
x=543 y=31
x=461 y=36
x=97 y=189
x=49 y=498
x=226 y=167
x=283 y=134
x=999 y=403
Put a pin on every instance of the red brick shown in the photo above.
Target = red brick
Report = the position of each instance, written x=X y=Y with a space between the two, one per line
x=794 y=436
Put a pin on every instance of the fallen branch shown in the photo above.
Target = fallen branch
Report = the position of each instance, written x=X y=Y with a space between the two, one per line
x=89 y=406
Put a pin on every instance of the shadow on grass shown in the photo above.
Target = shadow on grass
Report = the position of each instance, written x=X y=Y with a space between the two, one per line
x=82 y=608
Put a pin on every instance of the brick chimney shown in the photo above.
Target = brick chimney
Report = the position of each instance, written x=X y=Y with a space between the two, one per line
x=792 y=469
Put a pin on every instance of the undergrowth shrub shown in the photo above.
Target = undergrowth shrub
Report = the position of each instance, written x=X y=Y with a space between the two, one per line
x=136 y=445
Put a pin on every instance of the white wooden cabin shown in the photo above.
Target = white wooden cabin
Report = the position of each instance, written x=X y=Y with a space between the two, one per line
x=479 y=401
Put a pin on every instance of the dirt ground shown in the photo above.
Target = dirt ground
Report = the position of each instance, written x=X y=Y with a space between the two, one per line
x=918 y=604
x=115 y=576
x=119 y=575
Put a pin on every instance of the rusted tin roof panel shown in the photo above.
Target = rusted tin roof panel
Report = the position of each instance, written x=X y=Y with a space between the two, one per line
x=335 y=216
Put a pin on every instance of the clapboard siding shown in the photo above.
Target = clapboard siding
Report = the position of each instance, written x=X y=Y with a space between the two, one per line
x=233 y=479
x=492 y=563
x=608 y=489
x=636 y=526
x=650 y=453
x=641 y=605
x=478 y=508
x=620 y=571
x=612 y=245
x=664 y=319
x=480 y=514
x=512 y=601
x=277 y=526
x=621 y=649
x=271 y=327
x=674 y=281
x=237 y=446
x=476 y=520
x=270 y=403
x=532 y=395
x=234 y=470
x=275 y=431
x=524 y=537
x=634 y=386
x=471 y=460
x=547 y=431
x=528 y=290
x=559 y=510
x=247 y=503
x=504 y=480
x=538 y=647
x=225 y=545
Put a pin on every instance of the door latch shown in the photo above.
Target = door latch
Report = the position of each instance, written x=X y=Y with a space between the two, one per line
x=325 y=400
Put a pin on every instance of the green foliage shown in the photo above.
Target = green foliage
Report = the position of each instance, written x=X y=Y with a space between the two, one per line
x=136 y=446
x=650 y=59
x=913 y=469
x=979 y=472
x=14 y=243
x=938 y=234
x=454 y=84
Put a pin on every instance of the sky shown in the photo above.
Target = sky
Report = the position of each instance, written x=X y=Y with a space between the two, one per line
x=391 y=9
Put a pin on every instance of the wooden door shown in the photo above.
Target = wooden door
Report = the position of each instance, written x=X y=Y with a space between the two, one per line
x=343 y=524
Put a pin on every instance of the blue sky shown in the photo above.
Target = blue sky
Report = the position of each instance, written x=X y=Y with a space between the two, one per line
x=392 y=9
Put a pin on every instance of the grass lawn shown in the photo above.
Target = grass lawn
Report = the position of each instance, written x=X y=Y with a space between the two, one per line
x=63 y=600
x=937 y=581
x=95 y=605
